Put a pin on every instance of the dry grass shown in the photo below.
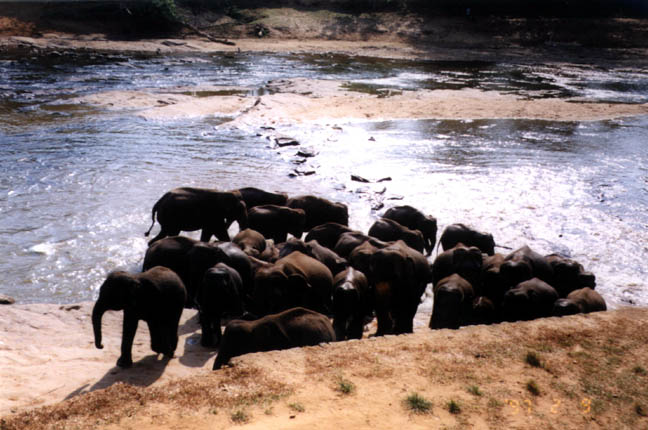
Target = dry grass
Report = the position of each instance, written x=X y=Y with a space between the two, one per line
x=234 y=387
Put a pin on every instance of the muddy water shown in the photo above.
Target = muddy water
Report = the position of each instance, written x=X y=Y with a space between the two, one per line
x=77 y=183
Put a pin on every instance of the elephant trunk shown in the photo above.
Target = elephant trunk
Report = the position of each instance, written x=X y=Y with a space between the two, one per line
x=97 y=313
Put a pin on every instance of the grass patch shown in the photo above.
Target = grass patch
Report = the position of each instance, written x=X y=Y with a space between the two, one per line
x=297 y=407
x=532 y=359
x=640 y=410
x=454 y=407
x=240 y=417
x=344 y=386
x=639 y=370
x=532 y=387
x=494 y=403
x=418 y=404
x=474 y=390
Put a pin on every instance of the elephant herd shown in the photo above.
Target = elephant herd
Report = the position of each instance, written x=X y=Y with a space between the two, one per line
x=284 y=291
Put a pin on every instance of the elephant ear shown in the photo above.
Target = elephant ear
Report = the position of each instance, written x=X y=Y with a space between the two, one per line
x=145 y=293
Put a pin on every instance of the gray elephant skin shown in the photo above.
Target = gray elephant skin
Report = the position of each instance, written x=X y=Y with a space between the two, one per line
x=327 y=234
x=219 y=293
x=156 y=296
x=414 y=219
x=389 y=230
x=352 y=304
x=320 y=210
x=461 y=233
x=275 y=222
x=291 y=328
x=190 y=209
x=397 y=276
x=296 y=280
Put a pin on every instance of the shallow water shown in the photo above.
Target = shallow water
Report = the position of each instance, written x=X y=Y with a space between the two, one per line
x=77 y=183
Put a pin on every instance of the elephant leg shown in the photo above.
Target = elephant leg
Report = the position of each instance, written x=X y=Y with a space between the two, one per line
x=207 y=336
x=383 y=298
x=220 y=231
x=128 y=334
x=339 y=326
x=356 y=327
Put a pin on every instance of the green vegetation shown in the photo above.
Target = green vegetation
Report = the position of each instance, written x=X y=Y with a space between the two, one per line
x=344 y=386
x=474 y=390
x=639 y=370
x=418 y=404
x=240 y=417
x=297 y=407
x=532 y=388
x=532 y=359
x=453 y=407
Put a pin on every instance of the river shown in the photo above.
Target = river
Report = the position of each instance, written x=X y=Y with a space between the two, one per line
x=77 y=182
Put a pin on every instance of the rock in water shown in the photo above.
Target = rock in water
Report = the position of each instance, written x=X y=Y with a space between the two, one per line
x=6 y=300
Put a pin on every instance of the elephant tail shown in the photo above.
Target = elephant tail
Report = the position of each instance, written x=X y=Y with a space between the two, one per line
x=153 y=212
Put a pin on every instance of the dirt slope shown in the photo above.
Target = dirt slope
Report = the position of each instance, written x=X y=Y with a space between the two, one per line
x=591 y=374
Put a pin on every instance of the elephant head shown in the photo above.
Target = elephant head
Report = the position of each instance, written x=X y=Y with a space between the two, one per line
x=236 y=341
x=118 y=292
x=463 y=260
x=428 y=226
x=297 y=223
x=453 y=297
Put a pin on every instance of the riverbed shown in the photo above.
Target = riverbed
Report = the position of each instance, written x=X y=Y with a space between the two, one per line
x=81 y=167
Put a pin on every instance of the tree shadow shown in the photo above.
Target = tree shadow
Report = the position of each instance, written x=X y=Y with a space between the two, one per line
x=143 y=373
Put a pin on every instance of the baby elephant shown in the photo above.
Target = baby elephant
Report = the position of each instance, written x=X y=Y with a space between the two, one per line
x=584 y=300
x=288 y=329
x=156 y=296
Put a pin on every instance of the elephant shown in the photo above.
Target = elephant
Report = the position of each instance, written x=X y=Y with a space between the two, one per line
x=523 y=264
x=294 y=280
x=257 y=197
x=351 y=304
x=334 y=262
x=569 y=275
x=492 y=285
x=351 y=240
x=484 y=311
x=360 y=257
x=462 y=260
x=414 y=219
x=156 y=296
x=190 y=258
x=288 y=329
x=203 y=256
x=583 y=300
x=389 y=230
x=171 y=252
x=219 y=293
x=528 y=300
x=275 y=222
x=460 y=233
x=189 y=209
x=327 y=234
x=251 y=242
x=320 y=210
x=453 y=303
x=398 y=276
